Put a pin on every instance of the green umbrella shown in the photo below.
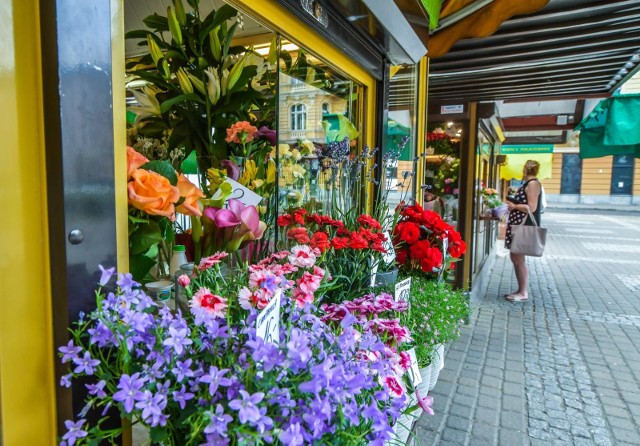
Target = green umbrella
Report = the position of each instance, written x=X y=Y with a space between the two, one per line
x=612 y=128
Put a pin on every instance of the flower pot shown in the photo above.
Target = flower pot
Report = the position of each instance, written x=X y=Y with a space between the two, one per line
x=404 y=425
x=387 y=278
x=435 y=373
x=437 y=365
x=425 y=374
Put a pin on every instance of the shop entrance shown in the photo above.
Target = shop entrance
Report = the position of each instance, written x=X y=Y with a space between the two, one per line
x=571 y=174
x=622 y=175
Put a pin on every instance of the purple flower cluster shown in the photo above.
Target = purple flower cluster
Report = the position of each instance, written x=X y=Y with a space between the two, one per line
x=213 y=381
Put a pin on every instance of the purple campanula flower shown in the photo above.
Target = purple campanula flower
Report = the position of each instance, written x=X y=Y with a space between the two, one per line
x=178 y=339
x=246 y=407
x=264 y=423
x=182 y=370
x=105 y=274
x=293 y=435
x=152 y=406
x=126 y=282
x=74 y=431
x=70 y=352
x=129 y=391
x=182 y=396
x=298 y=346
x=85 y=364
x=218 y=422
x=97 y=389
x=65 y=381
x=101 y=335
x=215 y=378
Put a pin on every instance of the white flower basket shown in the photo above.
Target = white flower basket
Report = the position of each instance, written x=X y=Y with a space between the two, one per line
x=404 y=425
x=425 y=374
x=437 y=365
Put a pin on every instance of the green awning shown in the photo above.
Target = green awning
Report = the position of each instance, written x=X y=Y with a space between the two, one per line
x=612 y=128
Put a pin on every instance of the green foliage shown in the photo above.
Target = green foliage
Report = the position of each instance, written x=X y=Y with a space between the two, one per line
x=435 y=314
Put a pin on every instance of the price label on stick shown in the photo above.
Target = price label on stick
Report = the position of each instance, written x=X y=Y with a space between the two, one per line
x=390 y=253
x=402 y=290
x=268 y=322
x=240 y=193
x=414 y=370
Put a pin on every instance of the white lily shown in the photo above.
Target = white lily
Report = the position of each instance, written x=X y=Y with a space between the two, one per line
x=213 y=85
x=148 y=105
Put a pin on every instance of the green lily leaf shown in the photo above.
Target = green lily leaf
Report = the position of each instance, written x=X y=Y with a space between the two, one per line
x=144 y=238
x=137 y=34
x=163 y=168
x=222 y=14
x=166 y=105
x=157 y=22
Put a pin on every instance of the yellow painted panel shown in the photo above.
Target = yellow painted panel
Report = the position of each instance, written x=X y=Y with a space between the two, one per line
x=119 y=132
x=552 y=184
x=421 y=116
x=636 y=178
x=27 y=388
x=596 y=176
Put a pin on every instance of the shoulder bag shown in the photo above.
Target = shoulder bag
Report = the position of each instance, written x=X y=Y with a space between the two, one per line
x=528 y=240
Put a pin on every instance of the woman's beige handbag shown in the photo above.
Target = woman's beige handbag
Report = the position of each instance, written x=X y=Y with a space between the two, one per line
x=528 y=240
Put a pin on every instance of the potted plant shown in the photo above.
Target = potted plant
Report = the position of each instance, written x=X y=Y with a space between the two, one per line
x=210 y=376
x=436 y=312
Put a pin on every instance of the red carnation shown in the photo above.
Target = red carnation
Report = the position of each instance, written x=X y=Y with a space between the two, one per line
x=401 y=256
x=340 y=242
x=431 y=260
x=457 y=249
x=299 y=235
x=320 y=240
x=357 y=241
x=317 y=219
x=284 y=220
x=367 y=220
x=298 y=216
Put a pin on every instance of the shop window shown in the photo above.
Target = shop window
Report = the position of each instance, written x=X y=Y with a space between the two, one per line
x=298 y=117
x=622 y=175
x=571 y=174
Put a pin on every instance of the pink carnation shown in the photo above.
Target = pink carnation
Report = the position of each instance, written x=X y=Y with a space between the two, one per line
x=393 y=385
x=208 y=262
x=303 y=256
x=248 y=299
x=405 y=360
x=309 y=283
x=184 y=280
x=302 y=298
x=211 y=303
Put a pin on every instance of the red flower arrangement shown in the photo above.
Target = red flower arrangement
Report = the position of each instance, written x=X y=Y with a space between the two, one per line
x=419 y=240
x=349 y=248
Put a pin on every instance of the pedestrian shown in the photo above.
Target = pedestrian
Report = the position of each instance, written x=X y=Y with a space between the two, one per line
x=431 y=201
x=528 y=197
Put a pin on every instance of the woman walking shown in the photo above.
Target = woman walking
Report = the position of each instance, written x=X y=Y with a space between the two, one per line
x=527 y=198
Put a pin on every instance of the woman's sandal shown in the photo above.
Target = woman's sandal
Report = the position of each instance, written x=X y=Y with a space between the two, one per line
x=516 y=298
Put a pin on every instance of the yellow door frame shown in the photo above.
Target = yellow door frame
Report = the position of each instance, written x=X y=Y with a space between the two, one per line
x=27 y=383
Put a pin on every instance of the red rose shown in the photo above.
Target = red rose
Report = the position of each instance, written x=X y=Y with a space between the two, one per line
x=357 y=241
x=340 y=242
x=320 y=240
x=457 y=249
x=408 y=232
x=419 y=250
x=299 y=235
x=284 y=220
x=432 y=260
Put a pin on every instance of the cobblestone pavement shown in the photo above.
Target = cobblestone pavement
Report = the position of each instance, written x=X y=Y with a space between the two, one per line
x=562 y=368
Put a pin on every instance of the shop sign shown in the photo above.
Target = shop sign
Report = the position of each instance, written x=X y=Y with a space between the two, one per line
x=524 y=149
x=451 y=109
x=414 y=370
x=239 y=192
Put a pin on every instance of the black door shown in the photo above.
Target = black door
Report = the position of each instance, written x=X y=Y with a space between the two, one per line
x=571 y=174
x=622 y=175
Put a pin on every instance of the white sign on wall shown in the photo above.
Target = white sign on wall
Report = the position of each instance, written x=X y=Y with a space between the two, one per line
x=268 y=322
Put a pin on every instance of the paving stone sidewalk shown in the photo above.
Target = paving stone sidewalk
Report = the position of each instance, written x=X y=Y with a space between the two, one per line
x=562 y=368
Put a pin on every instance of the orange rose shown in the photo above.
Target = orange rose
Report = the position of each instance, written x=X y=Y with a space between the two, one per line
x=191 y=195
x=134 y=160
x=233 y=132
x=152 y=193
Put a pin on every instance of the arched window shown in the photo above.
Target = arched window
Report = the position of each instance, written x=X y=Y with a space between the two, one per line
x=325 y=108
x=298 y=117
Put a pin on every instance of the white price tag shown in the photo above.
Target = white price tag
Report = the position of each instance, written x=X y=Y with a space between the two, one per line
x=414 y=370
x=268 y=322
x=402 y=290
x=374 y=271
x=390 y=253
x=240 y=193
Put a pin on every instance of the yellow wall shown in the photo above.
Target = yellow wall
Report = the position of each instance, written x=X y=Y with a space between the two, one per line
x=596 y=176
x=636 y=179
x=552 y=185
x=26 y=354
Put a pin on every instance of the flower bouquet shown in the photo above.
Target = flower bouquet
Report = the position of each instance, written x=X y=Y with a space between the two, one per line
x=425 y=243
x=209 y=377
x=347 y=248
x=156 y=192
x=439 y=143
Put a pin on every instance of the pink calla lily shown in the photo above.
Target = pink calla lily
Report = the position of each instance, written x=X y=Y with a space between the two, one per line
x=222 y=218
x=241 y=223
